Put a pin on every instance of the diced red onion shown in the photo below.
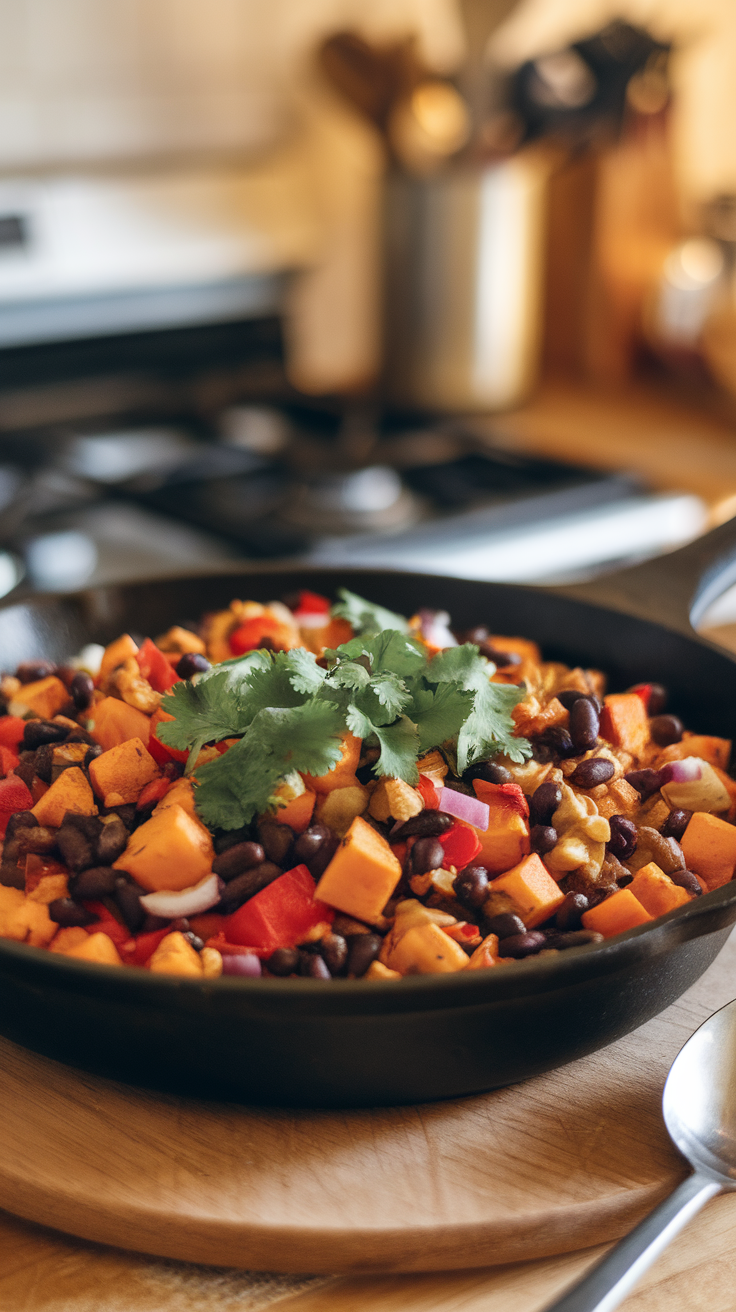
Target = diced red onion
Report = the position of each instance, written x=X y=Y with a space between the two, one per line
x=311 y=619
x=469 y=809
x=704 y=791
x=187 y=902
x=241 y=963
x=681 y=772
x=435 y=628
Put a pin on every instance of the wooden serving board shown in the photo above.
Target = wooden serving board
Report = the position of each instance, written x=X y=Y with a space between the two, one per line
x=568 y=1160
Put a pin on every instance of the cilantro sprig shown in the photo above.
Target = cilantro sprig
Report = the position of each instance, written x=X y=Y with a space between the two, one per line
x=289 y=712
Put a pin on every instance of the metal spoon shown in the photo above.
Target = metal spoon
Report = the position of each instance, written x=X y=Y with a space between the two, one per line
x=699 y=1107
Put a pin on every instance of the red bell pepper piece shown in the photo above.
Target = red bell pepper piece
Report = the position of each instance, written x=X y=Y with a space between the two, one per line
x=250 y=635
x=153 y=792
x=11 y=731
x=8 y=760
x=428 y=792
x=14 y=796
x=281 y=915
x=643 y=690
x=461 y=845
x=311 y=603
x=107 y=924
x=142 y=947
x=154 y=666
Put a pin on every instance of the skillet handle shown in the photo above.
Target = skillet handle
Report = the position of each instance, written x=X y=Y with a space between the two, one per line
x=673 y=590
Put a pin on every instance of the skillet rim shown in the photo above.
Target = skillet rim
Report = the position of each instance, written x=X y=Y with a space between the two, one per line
x=552 y=972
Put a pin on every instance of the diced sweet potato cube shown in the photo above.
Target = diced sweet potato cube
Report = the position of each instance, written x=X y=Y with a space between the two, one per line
x=656 y=891
x=122 y=772
x=426 y=950
x=377 y=970
x=181 y=793
x=394 y=797
x=532 y=890
x=486 y=954
x=506 y=840
x=619 y=912
x=117 y=653
x=65 y=939
x=295 y=803
x=97 y=947
x=709 y=848
x=730 y=786
x=23 y=920
x=524 y=647
x=41 y=928
x=341 y=774
x=172 y=850
x=624 y=722
x=716 y=751
x=339 y=808
x=621 y=799
x=175 y=956
x=70 y=792
x=179 y=640
x=114 y=722
x=44 y=697
x=362 y=874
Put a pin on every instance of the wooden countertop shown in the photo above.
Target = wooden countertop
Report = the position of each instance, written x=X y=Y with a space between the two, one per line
x=676 y=445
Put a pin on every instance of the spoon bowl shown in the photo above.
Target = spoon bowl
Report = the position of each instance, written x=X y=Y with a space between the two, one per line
x=699 y=1101
x=699 y=1107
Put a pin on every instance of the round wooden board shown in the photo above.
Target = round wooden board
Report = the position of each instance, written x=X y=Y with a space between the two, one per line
x=562 y=1162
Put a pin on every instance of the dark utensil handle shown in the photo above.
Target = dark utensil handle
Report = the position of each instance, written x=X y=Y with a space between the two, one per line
x=673 y=590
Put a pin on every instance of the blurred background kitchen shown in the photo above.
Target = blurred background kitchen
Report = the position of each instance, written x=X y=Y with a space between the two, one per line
x=445 y=284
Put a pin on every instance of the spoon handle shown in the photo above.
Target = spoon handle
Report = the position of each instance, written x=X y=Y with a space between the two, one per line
x=603 y=1288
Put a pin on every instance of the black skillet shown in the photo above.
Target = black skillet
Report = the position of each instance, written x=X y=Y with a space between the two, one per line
x=351 y=1043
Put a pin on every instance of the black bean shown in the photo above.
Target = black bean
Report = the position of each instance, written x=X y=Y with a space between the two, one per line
x=284 y=961
x=194 y=940
x=522 y=945
x=574 y=938
x=321 y=859
x=599 y=894
x=362 y=950
x=657 y=698
x=238 y=859
x=426 y=854
x=93 y=884
x=676 y=823
x=428 y=824
x=686 y=879
x=584 y=724
x=505 y=925
x=666 y=729
x=646 y=782
x=44 y=761
x=76 y=850
x=542 y=753
x=82 y=690
x=570 y=912
x=181 y=923
x=41 y=840
x=569 y=696
x=111 y=842
x=192 y=662
x=127 y=814
x=128 y=900
x=80 y=735
x=622 y=842
x=472 y=886
x=63 y=911
x=559 y=742
x=488 y=770
x=589 y=774
x=25 y=770
x=543 y=838
x=20 y=820
x=276 y=840
x=307 y=845
x=38 y=732
x=91 y=755
x=623 y=881
x=246 y=885
x=230 y=837
x=334 y=951
x=12 y=875
x=459 y=786
x=544 y=802
x=30 y=671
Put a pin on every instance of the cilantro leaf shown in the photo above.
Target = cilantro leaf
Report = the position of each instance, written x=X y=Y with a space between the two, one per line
x=393 y=652
x=208 y=711
x=399 y=744
x=240 y=784
x=440 y=713
x=306 y=675
x=489 y=728
x=365 y=616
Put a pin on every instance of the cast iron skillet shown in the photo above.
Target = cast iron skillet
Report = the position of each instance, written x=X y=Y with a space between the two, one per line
x=351 y=1043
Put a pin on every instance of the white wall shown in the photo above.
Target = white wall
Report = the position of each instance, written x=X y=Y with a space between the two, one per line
x=97 y=79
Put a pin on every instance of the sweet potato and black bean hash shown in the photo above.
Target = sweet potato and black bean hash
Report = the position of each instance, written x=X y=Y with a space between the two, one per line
x=334 y=791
